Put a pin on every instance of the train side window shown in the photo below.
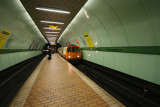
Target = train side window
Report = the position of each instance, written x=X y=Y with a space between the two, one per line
x=77 y=49
x=73 y=49
x=64 y=51
x=69 y=49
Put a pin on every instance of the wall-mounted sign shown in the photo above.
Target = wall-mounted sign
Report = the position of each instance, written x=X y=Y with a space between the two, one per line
x=3 y=37
x=77 y=42
x=8 y=41
x=88 y=40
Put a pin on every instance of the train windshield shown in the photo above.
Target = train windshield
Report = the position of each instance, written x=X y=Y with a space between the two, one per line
x=69 y=49
x=77 y=49
x=73 y=49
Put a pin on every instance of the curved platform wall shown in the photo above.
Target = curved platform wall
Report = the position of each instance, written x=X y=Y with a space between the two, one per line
x=23 y=41
x=125 y=36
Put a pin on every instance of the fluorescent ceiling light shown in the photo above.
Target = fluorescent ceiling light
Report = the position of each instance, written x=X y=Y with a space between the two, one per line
x=51 y=28
x=87 y=16
x=51 y=35
x=51 y=32
x=52 y=22
x=53 y=10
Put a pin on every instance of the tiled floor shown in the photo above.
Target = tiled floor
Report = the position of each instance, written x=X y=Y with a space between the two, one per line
x=59 y=84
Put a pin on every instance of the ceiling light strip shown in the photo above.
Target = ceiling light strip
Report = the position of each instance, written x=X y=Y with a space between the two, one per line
x=52 y=35
x=52 y=28
x=53 y=10
x=52 y=22
x=51 y=32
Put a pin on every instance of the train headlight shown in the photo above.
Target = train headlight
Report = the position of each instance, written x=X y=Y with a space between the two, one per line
x=69 y=56
x=78 y=56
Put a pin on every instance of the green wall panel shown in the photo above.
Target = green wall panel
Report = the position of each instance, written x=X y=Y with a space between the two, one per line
x=4 y=61
x=16 y=57
x=143 y=66
x=109 y=59
x=153 y=50
x=99 y=57
x=85 y=55
x=9 y=59
x=122 y=62
x=0 y=62
x=157 y=80
x=93 y=58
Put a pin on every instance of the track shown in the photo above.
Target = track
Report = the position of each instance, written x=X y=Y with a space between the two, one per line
x=131 y=91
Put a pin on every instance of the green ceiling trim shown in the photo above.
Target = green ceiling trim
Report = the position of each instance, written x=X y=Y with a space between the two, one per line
x=4 y=51
x=139 y=49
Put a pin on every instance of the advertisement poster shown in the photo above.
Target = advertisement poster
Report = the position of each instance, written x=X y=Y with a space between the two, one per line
x=8 y=41
x=4 y=34
x=30 y=46
x=88 y=40
x=33 y=47
x=36 y=45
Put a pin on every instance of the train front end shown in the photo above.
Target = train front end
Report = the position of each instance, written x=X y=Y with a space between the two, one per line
x=73 y=53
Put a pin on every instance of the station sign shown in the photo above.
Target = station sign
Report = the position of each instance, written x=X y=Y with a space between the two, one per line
x=52 y=27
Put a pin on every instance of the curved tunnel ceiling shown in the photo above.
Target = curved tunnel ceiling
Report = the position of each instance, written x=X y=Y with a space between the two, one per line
x=38 y=15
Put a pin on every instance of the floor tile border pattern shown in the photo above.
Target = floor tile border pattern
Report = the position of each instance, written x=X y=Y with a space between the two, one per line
x=22 y=95
x=110 y=100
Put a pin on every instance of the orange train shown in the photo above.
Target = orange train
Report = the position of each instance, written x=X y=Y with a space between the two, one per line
x=71 y=53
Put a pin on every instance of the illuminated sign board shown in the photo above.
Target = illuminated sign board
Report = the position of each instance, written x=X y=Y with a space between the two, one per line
x=52 y=27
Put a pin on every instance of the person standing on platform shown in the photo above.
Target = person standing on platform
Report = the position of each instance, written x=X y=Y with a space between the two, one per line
x=49 y=53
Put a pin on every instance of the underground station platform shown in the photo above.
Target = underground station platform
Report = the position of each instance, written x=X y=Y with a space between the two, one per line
x=115 y=47
x=57 y=83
